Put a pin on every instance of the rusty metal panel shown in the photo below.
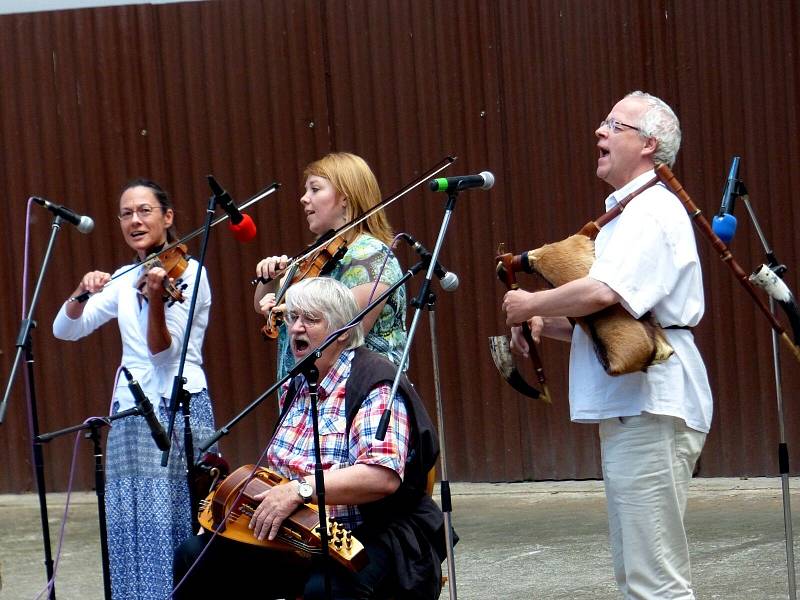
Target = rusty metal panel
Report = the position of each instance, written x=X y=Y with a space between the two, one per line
x=252 y=90
x=236 y=105
x=398 y=75
x=743 y=101
x=55 y=147
x=164 y=92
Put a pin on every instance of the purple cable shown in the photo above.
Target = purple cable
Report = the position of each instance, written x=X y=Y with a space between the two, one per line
x=221 y=523
x=24 y=310
x=340 y=331
x=25 y=257
x=47 y=588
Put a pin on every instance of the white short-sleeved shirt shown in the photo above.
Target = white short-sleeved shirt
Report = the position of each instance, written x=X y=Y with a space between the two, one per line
x=154 y=372
x=647 y=255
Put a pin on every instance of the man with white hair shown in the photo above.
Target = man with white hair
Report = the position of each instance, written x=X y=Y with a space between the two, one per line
x=374 y=488
x=653 y=424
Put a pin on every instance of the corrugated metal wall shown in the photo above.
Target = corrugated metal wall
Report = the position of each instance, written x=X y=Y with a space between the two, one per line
x=252 y=90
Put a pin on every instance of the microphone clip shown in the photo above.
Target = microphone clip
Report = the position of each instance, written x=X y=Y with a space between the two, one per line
x=738 y=189
x=448 y=280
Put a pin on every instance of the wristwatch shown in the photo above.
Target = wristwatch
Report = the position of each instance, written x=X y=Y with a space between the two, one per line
x=305 y=490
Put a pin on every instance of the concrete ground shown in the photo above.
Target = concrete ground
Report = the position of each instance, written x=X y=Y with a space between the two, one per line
x=518 y=540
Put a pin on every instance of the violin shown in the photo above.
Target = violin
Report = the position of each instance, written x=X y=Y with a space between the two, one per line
x=174 y=262
x=317 y=264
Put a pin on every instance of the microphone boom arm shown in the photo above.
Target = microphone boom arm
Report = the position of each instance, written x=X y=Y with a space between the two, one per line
x=300 y=366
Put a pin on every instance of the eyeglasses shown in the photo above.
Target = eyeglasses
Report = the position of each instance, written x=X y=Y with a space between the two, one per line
x=615 y=126
x=306 y=318
x=143 y=211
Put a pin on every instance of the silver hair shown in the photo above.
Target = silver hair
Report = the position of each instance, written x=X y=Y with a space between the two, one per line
x=660 y=122
x=329 y=298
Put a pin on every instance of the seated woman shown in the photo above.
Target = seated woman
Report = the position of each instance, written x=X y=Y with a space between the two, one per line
x=375 y=488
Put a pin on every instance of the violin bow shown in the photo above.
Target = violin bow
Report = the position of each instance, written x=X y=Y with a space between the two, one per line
x=333 y=233
x=666 y=176
x=270 y=189
x=500 y=348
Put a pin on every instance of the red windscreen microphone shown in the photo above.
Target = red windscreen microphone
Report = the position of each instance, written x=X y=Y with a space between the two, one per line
x=241 y=225
x=244 y=230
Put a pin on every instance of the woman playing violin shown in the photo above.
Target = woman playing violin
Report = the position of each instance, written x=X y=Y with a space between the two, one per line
x=147 y=505
x=340 y=187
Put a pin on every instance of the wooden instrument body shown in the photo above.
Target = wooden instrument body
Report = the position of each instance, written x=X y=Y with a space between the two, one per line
x=622 y=343
x=299 y=533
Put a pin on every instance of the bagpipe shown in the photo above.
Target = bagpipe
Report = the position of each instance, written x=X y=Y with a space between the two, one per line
x=622 y=343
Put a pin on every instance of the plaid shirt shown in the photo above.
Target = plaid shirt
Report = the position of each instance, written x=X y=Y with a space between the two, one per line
x=292 y=451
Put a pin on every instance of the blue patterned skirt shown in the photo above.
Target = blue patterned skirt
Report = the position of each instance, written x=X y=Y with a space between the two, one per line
x=147 y=506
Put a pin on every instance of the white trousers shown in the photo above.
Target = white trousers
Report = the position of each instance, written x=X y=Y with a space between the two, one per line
x=647 y=465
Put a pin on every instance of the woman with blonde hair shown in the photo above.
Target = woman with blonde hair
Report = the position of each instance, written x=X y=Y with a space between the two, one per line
x=340 y=187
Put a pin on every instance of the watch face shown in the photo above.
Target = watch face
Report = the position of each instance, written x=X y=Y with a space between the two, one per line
x=306 y=491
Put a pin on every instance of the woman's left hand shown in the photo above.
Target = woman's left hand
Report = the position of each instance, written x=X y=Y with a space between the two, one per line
x=154 y=283
x=277 y=503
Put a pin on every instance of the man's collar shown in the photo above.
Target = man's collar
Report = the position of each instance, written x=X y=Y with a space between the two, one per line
x=626 y=189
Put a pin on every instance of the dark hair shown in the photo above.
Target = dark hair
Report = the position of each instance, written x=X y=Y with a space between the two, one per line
x=162 y=197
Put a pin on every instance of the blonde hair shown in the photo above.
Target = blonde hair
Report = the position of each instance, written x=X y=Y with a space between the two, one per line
x=353 y=178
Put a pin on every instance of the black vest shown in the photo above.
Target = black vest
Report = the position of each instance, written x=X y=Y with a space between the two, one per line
x=368 y=370
x=408 y=521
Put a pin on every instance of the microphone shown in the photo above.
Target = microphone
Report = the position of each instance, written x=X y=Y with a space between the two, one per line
x=82 y=222
x=484 y=180
x=146 y=409
x=724 y=223
x=242 y=226
x=447 y=279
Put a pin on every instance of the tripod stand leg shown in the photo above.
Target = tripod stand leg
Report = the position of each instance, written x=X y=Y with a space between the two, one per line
x=783 y=463
x=787 y=519
x=447 y=507
x=38 y=461
x=100 y=490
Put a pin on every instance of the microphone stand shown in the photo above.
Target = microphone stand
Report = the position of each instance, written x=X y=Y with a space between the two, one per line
x=179 y=393
x=427 y=298
x=25 y=344
x=783 y=449
x=93 y=426
x=444 y=486
x=311 y=374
